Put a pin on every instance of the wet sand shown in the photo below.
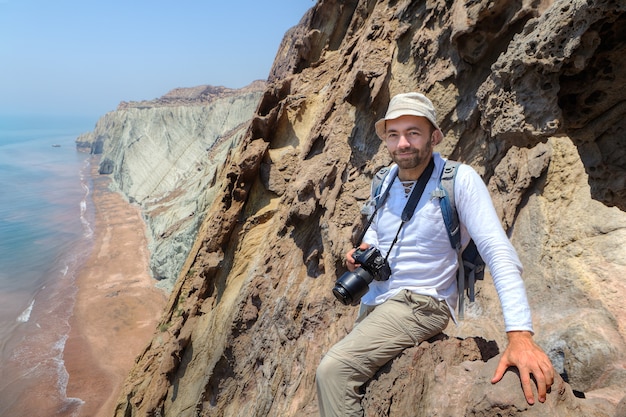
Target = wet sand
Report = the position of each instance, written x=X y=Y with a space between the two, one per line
x=117 y=306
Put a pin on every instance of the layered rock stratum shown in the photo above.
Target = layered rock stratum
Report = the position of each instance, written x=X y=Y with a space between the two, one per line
x=166 y=156
x=530 y=93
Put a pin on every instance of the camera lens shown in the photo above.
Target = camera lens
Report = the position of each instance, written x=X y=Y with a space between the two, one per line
x=352 y=286
x=342 y=295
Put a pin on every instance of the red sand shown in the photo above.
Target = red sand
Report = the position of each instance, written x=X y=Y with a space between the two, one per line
x=117 y=306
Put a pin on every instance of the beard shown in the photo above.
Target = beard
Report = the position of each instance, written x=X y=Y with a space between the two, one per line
x=412 y=158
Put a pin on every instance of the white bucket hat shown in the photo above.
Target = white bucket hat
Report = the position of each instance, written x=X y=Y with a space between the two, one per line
x=407 y=104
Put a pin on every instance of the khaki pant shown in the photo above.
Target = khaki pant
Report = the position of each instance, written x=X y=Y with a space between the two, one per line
x=379 y=335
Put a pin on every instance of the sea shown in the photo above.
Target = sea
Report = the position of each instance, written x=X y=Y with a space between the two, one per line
x=46 y=220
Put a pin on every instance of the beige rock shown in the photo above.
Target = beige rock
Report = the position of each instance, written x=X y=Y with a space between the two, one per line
x=450 y=377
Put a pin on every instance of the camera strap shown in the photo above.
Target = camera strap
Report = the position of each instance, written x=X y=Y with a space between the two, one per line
x=411 y=204
x=414 y=198
x=417 y=192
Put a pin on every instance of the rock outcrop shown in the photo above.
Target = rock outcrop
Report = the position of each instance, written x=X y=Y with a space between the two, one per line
x=166 y=155
x=412 y=386
x=530 y=93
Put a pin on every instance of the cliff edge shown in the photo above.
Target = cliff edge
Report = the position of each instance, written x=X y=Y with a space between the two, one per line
x=166 y=155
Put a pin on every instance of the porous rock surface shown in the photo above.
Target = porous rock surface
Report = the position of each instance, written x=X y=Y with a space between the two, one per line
x=530 y=93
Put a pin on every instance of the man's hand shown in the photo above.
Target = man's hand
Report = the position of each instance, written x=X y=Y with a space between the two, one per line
x=523 y=353
x=350 y=262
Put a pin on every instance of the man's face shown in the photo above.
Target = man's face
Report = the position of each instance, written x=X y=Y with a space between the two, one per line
x=409 y=141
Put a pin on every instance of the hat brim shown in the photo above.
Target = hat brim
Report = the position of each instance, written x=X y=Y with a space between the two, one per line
x=380 y=126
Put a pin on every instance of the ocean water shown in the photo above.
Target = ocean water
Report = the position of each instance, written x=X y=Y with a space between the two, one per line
x=46 y=234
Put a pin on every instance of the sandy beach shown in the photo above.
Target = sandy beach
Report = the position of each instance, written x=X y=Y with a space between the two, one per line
x=117 y=306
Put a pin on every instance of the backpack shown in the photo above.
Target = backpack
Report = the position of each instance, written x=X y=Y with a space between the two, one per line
x=471 y=265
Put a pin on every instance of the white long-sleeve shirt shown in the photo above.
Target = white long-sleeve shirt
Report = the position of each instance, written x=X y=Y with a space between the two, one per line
x=424 y=262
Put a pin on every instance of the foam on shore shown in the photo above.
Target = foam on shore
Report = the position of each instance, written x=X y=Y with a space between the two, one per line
x=117 y=305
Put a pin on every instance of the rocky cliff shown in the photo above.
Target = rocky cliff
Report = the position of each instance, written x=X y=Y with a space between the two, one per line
x=166 y=155
x=530 y=92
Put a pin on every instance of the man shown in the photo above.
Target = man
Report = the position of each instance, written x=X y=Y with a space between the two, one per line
x=416 y=302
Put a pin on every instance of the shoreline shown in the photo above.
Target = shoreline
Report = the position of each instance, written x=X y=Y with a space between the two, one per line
x=117 y=305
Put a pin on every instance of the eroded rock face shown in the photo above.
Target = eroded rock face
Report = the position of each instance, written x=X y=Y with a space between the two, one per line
x=530 y=93
x=451 y=377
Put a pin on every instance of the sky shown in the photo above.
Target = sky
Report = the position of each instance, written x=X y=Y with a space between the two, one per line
x=83 y=57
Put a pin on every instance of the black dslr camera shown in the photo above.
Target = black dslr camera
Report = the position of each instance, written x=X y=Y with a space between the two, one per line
x=351 y=286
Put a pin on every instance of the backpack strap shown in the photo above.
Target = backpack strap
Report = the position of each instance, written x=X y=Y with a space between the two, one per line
x=378 y=194
x=377 y=197
x=475 y=266
x=445 y=193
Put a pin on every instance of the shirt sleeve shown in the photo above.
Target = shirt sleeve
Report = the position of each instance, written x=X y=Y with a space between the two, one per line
x=478 y=216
